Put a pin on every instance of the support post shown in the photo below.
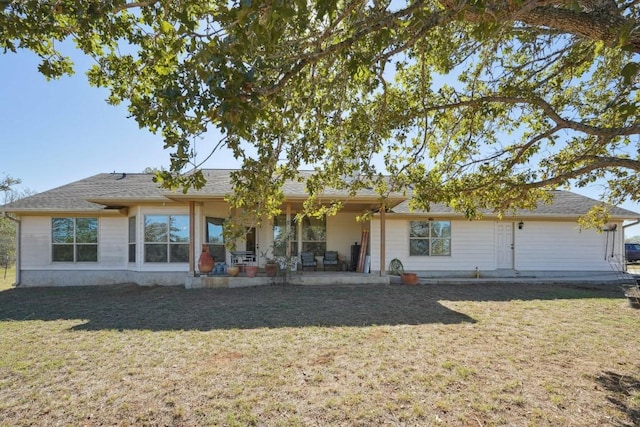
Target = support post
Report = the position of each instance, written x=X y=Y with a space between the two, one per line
x=192 y=235
x=288 y=230
x=383 y=239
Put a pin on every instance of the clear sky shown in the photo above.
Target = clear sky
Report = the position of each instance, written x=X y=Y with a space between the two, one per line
x=60 y=131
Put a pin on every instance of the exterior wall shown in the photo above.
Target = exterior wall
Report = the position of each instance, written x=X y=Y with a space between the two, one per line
x=472 y=245
x=343 y=230
x=140 y=212
x=557 y=246
x=38 y=269
x=540 y=247
x=36 y=245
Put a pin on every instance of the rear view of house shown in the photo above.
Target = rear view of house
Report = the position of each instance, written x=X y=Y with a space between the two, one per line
x=116 y=228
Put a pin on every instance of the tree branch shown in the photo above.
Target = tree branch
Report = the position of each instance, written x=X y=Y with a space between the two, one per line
x=549 y=111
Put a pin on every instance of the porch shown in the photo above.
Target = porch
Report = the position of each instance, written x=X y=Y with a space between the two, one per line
x=299 y=278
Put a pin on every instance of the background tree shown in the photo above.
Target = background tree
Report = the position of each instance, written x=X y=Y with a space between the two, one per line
x=481 y=104
x=7 y=226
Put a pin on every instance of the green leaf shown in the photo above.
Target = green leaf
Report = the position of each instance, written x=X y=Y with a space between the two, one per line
x=166 y=27
x=629 y=72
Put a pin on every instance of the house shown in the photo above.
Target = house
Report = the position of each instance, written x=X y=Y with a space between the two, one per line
x=117 y=228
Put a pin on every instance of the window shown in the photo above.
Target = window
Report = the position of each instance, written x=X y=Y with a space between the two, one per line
x=215 y=238
x=166 y=238
x=280 y=236
x=74 y=239
x=314 y=235
x=432 y=238
x=132 y=239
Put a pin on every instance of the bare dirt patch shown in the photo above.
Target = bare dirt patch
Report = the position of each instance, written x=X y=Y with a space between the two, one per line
x=380 y=355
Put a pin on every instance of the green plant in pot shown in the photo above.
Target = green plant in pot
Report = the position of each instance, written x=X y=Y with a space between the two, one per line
x=270 y=266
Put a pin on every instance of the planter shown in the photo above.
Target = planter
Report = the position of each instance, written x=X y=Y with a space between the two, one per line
x=409 y=278
x=271 y=269
x=251 y=270
x=633 y=298
x=233 y=270
x=206 y=261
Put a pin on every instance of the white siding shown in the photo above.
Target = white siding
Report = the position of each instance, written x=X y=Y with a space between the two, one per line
x=343 y=230
x=113 y=242
x=472 y=245
x=35 y=242
x=539 y=246
x=35 y=248
x=563 y=246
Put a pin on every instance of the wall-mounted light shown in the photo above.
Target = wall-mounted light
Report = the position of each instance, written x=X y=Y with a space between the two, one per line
x=520 y=225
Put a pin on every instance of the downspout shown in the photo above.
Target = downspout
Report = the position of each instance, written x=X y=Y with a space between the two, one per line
x=636 y=222
x=18 y=257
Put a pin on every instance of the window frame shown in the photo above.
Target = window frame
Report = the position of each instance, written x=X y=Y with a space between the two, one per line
x=280 y=228
x=217 y=250
x=171 y=246
x=133 y=237
x=431 y=239
x=72 y=239
x=317 y=246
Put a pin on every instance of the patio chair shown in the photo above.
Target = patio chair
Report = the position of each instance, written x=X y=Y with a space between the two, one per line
x=330 y=259
x=308 y=260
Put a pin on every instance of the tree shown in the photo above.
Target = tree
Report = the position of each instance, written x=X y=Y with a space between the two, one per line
x=479 y=104
x=7 y=226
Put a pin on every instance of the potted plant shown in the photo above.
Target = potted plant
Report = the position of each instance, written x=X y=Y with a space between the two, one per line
x=396 y=267
x=251 y=270
x=270 y=266
x=233 y=270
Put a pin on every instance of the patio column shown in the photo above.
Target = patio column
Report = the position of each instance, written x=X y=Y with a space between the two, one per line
x=383 y=239
x=192 y=236
x=288 y=230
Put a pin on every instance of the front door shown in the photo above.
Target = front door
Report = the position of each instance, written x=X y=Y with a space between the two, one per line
x=251 y=240
x=504 y=245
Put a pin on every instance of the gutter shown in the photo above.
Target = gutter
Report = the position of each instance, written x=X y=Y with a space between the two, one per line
x=18 y=235
x=636 y=222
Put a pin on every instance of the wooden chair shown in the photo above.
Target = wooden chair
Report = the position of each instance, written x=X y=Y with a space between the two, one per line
x=308 y=260
x=330 y=259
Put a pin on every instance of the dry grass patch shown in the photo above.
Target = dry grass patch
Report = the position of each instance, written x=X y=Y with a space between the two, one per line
x=7 y=277
x=287 y=356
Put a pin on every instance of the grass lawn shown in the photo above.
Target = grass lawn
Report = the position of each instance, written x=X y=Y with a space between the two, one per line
x=472 y=355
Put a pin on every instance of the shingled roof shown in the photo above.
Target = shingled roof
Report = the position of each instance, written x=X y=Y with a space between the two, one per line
x=564 y=204
x=114 y=190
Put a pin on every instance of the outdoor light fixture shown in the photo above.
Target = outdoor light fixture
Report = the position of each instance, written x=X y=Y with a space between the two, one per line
x=520 y=225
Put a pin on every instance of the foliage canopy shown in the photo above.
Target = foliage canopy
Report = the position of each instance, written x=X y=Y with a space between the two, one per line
x=477 y=104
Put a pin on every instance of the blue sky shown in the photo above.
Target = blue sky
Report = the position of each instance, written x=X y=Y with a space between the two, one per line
x=60 y=131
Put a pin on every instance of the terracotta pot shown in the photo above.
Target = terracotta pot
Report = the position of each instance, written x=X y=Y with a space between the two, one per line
x=206 y=261
x=409 y=278
x=251 y=270
x=271 y=269
x=233 y=270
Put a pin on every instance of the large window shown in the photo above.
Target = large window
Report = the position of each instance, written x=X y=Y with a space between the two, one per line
x=314 y=235
x=280 y=236
x=132 y=239
x=432 y=238
x=215 y=238
x=166 y=238
x=74 y=239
